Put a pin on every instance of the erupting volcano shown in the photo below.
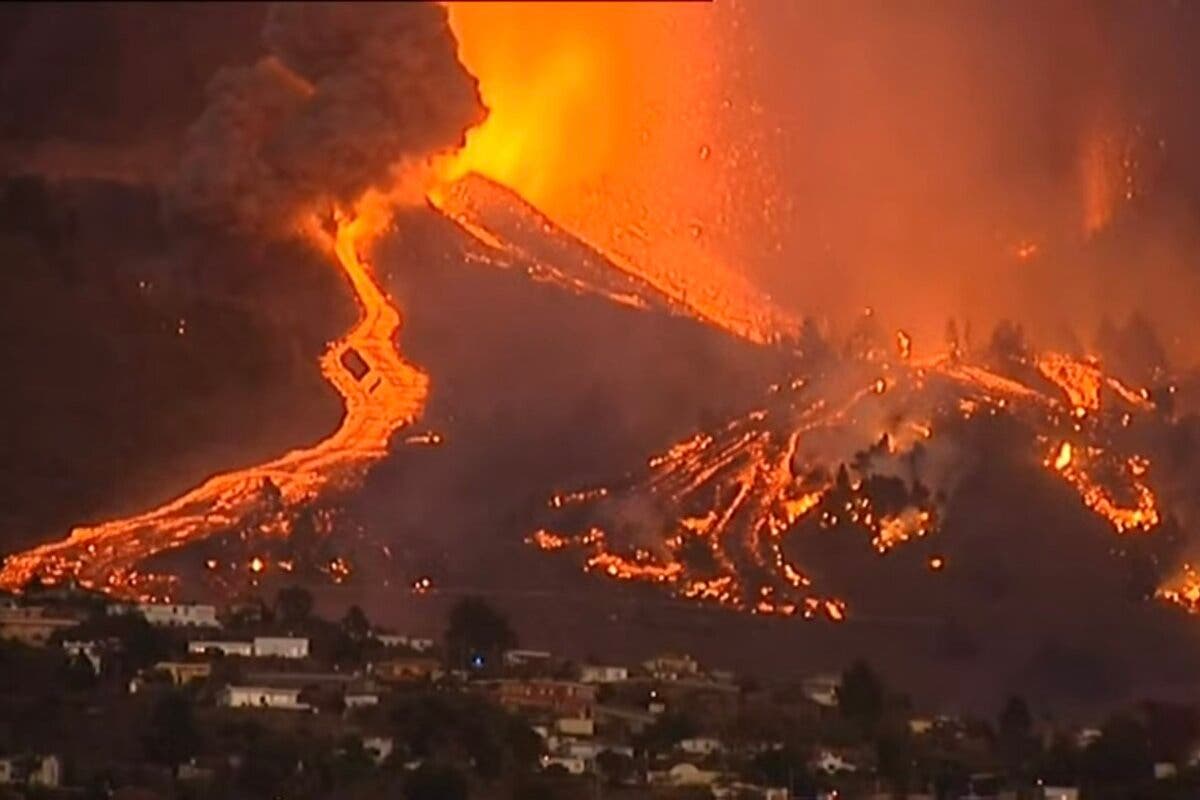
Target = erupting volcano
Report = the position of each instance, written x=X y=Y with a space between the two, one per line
x=603 y=168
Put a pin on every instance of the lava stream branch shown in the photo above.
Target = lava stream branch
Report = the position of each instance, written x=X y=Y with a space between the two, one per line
x=381 y=392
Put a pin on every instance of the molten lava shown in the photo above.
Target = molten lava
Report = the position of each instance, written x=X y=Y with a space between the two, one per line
x=724 y=503
x=610 y=127
x=381 y=393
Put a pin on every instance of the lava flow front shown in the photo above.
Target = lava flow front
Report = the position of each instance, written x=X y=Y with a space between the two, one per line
x=380 y=390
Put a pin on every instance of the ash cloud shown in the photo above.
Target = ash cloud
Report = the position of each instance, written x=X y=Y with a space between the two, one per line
x=345 y=92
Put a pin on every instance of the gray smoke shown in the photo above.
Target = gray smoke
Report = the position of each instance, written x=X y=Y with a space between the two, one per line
x=346 y=91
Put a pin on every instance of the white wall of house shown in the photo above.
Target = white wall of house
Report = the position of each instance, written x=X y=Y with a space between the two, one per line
x=262 y=697
x=700 y=746
x=595 y=673
x=280 y=647
x=575 y=766
x=576 y=726
x=229 y=648
x=179 y=614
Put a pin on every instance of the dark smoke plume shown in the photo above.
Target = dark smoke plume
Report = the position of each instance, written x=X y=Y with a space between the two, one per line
x=346 y=91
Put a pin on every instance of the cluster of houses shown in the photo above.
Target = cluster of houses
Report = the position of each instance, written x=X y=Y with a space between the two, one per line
x=587 y=715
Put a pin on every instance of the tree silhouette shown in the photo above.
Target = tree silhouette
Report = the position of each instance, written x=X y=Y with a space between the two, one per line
x=172 y=736
x=477 y=635
x=860 y=696
x=294 y=605
x=435 y=782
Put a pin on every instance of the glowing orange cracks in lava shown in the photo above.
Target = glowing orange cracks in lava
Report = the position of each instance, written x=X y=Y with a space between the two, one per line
x=381 y=394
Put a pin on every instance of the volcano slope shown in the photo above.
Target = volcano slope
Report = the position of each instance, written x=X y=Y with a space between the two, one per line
x=538 y=391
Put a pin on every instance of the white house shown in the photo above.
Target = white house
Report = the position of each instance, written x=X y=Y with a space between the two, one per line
x=416 y=643
x=378 y=747
x=224 y=647
x=360 y=699
x=31 y=771
x=177 y=614
x=577 y=749
x=684 y=774
x=520 y=658
x=1060 y=793
x=830 y=763
x=669 y=667
x=573 y=765
x=261 y=697
x=575 y=726
x=701 y=746
x=823 y=689
x=596 y=673
x=89 y=649
x=280 y=647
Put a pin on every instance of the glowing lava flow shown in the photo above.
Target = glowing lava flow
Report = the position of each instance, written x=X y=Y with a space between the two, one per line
x=710 y=518
x=381 y=393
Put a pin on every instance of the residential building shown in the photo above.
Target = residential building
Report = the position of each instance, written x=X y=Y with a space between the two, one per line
x=173 y=615
x=745 y=791
x=32 y=625
x=184 y=672
x=525 y=658
x=635 y=720
x=701 y=746
x=406 y=669
x=597 y=673
x=378 y=747
x=822 y=689
x=43 y=771
x=831 y=763
x=1060 y=793
x=684 y=774
x=280 y=647
x=262 y=697
x=573 y=765
x=562 y=698
x=670 y=667
x=415 y=643
x=222 y=646
x=575 y=726
x=92 y=650
x=360 y=698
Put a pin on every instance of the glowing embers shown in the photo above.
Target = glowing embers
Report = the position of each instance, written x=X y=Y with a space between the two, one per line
x=381 y=393
x=1073 y=463
x=1183 y=590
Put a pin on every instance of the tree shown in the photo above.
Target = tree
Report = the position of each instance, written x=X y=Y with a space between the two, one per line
x=293 y=605
x=78 y=674
x=668 y=730
x=477 y=634
x=894 y=756
x=1121 y=757
x=172 y=736
x=435 y=782
x=617 y=767
x=860 y=696
x=355 y=623
x=1015 y=733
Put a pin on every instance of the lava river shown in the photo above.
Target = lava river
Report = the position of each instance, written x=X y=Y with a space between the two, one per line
x=381 y=392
